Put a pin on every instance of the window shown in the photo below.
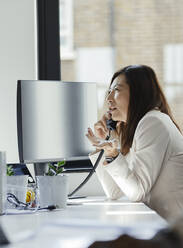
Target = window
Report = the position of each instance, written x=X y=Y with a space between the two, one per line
x=173 y=61
x=66 y=29
x=95 y=64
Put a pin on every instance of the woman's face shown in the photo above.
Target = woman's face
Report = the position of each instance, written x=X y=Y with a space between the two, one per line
x=118 y=99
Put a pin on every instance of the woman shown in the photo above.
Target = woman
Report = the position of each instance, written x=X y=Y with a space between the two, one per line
x=148 y=167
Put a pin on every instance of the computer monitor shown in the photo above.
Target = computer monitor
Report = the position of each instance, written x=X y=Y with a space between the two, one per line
x=52 y=120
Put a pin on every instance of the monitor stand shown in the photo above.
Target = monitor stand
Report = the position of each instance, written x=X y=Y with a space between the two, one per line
x=40 y=169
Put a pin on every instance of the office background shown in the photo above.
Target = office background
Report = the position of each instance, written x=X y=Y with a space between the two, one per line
x=97 y=38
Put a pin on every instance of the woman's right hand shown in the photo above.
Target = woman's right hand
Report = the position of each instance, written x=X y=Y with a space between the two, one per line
x=100 y=128
x=100 y=131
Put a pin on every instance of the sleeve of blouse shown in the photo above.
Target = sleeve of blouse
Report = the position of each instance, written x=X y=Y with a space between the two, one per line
x=151 y=142
x=110 y=187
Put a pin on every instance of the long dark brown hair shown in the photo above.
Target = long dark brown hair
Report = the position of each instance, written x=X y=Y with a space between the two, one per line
x=145 y=95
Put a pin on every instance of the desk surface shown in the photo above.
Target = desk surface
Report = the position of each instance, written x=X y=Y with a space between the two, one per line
x=82 y=222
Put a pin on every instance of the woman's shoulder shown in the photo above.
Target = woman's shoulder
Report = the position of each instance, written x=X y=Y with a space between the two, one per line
x=157 y=127
x=155 y=116
x=155 y=121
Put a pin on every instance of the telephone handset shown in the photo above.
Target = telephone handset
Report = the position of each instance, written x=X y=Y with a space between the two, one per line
x=111 y=125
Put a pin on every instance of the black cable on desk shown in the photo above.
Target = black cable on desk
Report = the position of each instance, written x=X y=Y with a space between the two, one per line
x=91 y=172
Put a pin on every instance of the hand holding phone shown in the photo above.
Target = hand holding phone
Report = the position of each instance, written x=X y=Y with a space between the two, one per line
x=99 y=137
x=102 y=127
x=111 y=125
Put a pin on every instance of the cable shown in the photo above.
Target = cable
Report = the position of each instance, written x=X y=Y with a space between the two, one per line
x=49 y=207
x=25 y=206
x=92 y=171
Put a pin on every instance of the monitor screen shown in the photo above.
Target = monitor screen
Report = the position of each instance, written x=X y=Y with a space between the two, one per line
x=52 y=120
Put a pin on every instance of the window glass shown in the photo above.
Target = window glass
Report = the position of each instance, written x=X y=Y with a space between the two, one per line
x=105 y=36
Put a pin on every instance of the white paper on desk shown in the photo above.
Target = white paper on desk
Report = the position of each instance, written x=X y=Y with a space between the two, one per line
x=15 y=211
x=74 y=233
x=79 y=232
x=84 y=232
x=66 y=232
x=83 y=227
x=102 y=230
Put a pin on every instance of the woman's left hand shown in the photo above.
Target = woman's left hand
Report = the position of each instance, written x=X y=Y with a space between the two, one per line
x=110 y=147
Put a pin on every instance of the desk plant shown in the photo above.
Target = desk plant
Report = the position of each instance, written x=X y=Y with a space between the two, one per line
x=55 y=169
x=53 y=186
x=9 y=170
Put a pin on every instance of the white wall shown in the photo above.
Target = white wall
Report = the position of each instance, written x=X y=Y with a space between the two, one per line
x=18 y=60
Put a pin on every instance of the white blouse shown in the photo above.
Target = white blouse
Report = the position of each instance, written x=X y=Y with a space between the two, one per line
x=152 y=171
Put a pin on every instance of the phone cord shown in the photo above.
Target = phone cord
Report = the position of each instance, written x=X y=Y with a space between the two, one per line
x=92 y=171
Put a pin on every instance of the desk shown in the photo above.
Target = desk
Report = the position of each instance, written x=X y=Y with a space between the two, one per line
x=82 y=222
